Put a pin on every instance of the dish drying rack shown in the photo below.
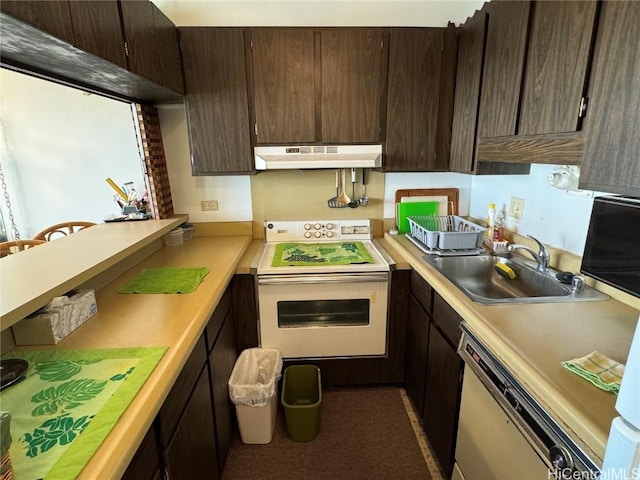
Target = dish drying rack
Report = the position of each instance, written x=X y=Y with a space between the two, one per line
x=446 y=235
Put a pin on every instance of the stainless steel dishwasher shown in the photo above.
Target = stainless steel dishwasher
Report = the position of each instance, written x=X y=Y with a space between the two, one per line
x=503 y=433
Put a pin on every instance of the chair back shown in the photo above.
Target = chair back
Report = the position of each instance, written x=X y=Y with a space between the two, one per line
x=15 y=246
x=61 y=230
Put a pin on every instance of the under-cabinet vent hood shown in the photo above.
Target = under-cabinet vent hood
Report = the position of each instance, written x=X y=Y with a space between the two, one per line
x=318 y=156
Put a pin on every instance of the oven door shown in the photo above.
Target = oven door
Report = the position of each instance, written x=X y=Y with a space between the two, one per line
x=329 y=315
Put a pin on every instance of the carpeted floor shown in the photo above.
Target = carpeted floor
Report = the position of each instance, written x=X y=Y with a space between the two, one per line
x=365 y=434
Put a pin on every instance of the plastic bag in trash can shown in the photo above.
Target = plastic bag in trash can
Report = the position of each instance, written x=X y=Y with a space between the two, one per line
x=255 y=376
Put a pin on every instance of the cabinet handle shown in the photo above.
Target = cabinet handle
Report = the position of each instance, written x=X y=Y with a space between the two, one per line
x=584 y=103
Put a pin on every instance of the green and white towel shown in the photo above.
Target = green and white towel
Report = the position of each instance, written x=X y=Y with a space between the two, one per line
x=599 y=369
x=68 y=403
x=320 y=254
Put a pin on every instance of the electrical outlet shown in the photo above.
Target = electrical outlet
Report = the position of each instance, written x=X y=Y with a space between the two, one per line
x=516 y=207
x=209 y=205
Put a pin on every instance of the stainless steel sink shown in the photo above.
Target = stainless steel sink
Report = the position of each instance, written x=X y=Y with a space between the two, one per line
x=477 y=278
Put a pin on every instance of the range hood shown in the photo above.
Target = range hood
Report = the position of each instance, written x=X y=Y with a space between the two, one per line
x=318 y=156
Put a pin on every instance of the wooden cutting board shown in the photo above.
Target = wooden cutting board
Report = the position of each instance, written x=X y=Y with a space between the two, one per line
x=452 y=195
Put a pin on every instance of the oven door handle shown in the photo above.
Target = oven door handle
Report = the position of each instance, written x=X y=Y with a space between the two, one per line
x=323 y=279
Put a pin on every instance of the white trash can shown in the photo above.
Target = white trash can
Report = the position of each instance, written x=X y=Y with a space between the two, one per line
x=253 y=388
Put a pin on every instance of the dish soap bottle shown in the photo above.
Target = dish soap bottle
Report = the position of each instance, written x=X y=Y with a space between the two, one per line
x=498 y=227
x=491 y=219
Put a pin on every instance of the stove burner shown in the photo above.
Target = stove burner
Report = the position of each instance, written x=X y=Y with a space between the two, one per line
x=12 y=371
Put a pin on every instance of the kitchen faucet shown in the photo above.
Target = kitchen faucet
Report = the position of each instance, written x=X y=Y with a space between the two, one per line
x=541 y=258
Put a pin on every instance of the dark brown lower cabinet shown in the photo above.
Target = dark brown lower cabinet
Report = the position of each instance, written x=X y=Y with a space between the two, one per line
x=145 y=465
x=442 y=389
x=221 y=361
x=416 y=352
x=191 y=451
x=433 y=369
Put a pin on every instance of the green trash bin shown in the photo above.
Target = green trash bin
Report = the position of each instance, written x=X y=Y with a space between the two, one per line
x=301 y=399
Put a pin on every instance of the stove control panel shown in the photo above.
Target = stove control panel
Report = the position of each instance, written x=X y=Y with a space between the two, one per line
x=317 y=230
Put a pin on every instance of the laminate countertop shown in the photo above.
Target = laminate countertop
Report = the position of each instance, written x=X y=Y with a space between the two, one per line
x=532 y=339
x=135 y=320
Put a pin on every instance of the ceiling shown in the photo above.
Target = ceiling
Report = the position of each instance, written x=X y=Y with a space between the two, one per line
x=410 y=13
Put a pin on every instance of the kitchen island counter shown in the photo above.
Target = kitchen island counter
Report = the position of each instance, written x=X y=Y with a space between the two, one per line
x=136 y=320
x=532 y=339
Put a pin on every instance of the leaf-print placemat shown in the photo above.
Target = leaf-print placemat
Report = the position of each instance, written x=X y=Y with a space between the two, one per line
x=67 y=404
x=313 y=254
x=166 y=280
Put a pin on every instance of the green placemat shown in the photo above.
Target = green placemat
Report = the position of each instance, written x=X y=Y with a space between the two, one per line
x=330 y=253
x=68 y=403
x=166 y=280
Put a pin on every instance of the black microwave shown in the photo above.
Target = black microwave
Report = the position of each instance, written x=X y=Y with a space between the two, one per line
x=612 y=250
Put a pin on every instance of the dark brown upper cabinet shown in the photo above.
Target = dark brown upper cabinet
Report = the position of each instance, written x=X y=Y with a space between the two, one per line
x=317 y=85
x=216 y=100
x=503 y=66
x=351 y=93
x=152 y=44
x=53 y=17
x=284 y=85
x=467 y=96
x=420 y=99
x=82 y=44
x=464 y=134
x=556 y=69
x=611 y=159
x=97 y=29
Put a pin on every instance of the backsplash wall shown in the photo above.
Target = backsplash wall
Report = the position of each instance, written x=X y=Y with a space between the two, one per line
x=554 y=216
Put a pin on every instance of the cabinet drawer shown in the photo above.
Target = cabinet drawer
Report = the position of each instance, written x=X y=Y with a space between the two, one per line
x=217 y=318
x=447 y=319
x=179 y=395
x=422 y=291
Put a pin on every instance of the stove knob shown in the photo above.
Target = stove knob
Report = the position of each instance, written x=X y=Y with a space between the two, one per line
x=317 y=234
x=317 y=226
x=329 y=234
x=307 y=234
x=330 y=226
x=307 y=226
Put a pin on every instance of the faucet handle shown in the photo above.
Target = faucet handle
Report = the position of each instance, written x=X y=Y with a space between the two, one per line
x=542 y=251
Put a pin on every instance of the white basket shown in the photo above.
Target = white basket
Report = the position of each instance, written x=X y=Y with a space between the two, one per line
x=446 y=232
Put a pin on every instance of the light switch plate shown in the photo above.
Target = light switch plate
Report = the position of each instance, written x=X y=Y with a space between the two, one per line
x=516 y=207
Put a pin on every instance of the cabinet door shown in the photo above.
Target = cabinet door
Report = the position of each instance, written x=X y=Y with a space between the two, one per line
x=556 y=68
x=284 y=85
x=97 y=29
x=465 y=113
x=416 y=352
x=351 y=62
x=216 y=100
x=145 y=464
x=415 y=60
x=52 y=16
x=503 y=64
x=192 y=450
x=611 y=161
x=221 y=362
x=443 y=387
x=152 y=43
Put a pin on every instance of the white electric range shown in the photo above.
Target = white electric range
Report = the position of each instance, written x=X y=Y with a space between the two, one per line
x=323 y=288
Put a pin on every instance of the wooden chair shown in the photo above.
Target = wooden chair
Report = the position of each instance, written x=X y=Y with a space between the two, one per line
x=15 y=246
x=61 y=229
